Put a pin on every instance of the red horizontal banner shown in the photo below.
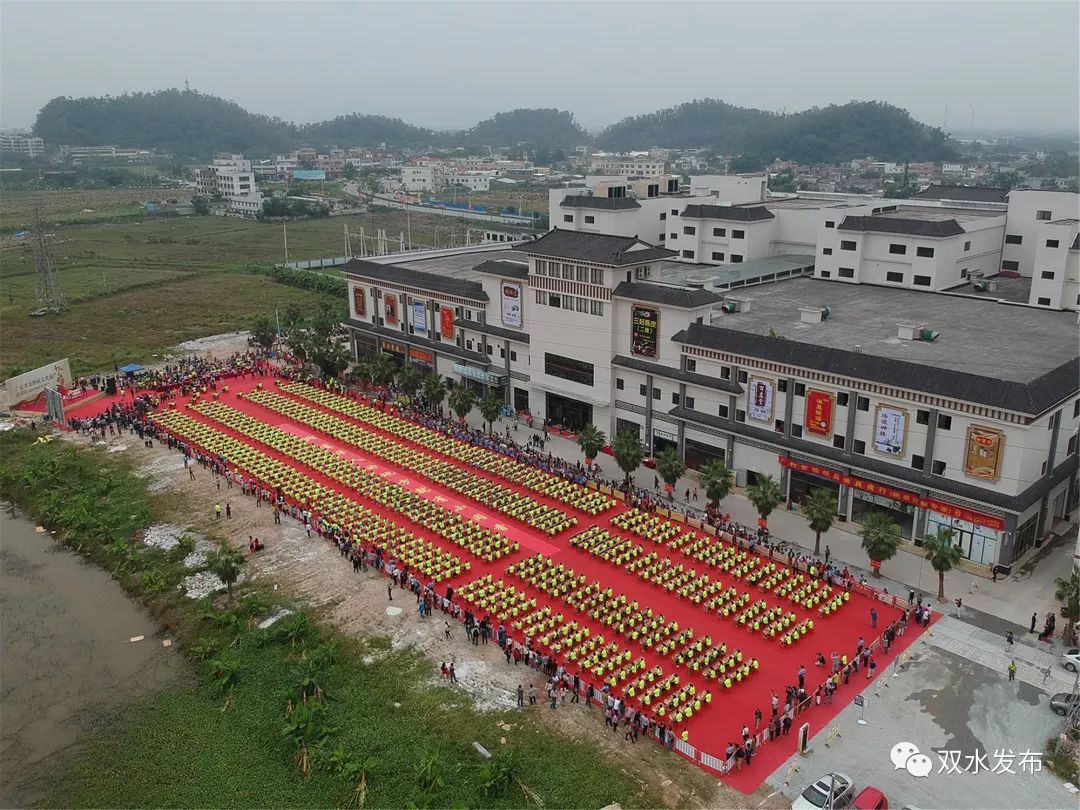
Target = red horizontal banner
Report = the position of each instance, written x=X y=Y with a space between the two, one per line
x=902 y=495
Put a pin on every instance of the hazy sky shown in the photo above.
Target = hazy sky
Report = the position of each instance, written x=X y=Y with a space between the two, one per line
x=449 y=64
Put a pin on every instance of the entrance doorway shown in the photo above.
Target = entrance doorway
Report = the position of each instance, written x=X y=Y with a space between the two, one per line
x=567 y=414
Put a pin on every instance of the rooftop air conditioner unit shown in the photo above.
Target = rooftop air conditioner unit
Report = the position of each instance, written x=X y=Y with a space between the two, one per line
x=980 y=286
x=928 y=335
x=732 y=305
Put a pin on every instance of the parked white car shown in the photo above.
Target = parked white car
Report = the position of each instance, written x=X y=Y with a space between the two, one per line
x=816 y=796
x=1070 y=659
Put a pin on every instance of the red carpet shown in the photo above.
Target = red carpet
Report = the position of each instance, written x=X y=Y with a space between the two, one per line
x=714 y=726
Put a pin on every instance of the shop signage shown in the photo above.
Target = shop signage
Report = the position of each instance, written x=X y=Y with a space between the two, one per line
x=902 y=495
x=359 y=302
x=890 y=430
x=419 y=316
x=495 y=378
x=423 y=358
x=393 y=348
x=819 y=411
x=447 y=315
x=644 y=330
x=511 y=304
x=759 y=399
x=985 y=447
x=390 y=305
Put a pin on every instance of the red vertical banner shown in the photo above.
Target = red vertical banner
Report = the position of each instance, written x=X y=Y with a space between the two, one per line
x=390 y=305
x=447 y=315
x=819 y=412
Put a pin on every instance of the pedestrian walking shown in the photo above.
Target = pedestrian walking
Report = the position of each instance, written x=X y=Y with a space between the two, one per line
x=757 y=718
x=1034 y=621
x=802 y=675
x=453 y=674
x=1009 y=641
x=228 y=510
x=828 y=554
x=532 y=694
x=873 y=617
x=1046 y=674
x=1012 y=670
x=390 y=591
x=217 y=510
x=520 y=697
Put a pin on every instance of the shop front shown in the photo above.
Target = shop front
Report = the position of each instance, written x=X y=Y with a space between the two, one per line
x=366 y=345
x=662 y=440
x=978 y=543
x=902 y=514
x=479 y=380
x=424 y=361
x=698 y=454
x=802 y=484
x=521 y=399
x=567 y=414
x=396 y=351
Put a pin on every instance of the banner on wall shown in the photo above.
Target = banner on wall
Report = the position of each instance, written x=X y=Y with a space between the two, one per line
x=419 y=316
x=29 y=385
x=644 y=331
x=511 y=304
x=759 y=399
x=359 y=302
x=890 y=430
x=984 y=450
x=390 y=307
x=819 y=411
x=447 y=315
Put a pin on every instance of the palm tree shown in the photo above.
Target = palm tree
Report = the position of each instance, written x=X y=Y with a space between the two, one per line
x=671 y=468
x=225 y=561
x=462 y=398
x=943 y=554
x=379 y=369
x=765 y=495
x=717 y=481
x=628 y=452
x=820 y=512
x=408 y=380
x=434 y=391
x=591 y=440
x=490 y=408
x=1067 y=590
x=880 y=539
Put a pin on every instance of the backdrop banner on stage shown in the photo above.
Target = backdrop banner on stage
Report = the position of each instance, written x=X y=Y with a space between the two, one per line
x=32 y=383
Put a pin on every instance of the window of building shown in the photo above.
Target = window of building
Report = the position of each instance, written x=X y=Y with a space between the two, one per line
x=740 y=416
x=1052 y=243
x=944 y=421
x=589 y=219
x=643 y=390
x=513 y=356
x=967 y=245
x=937 y=467
x=673 y=235
x=488 y=348
x=1048 y=275
x=800 y=389
x=826 y=251
x=1042 y=469
x=825 y=273
x=662 y=237
x=689 y=230
x=1043 y=302
x=925 y=252
x=674 y=398
x=1014 y=239
x=922 y=417
x=742 y=376
x=567 y=368
x=596 y=308
x=736 y=258
x=597 y=276
x=663 y=217
x=468 y=345
x=838 y=441
x=567 y=217
x=618 y=383
x=842 y=399
x=862 y=403
x=502 y=351
x=830 y=223
x=689 y=364
x=1076 y=409
x=725 y=372
x=722 y=411
x=689 y=403
x=1070 y=448
x=688 y=254
x=656 y=393
x=894 y=277
x=859 y=446
x=898 y=250
x=963 y=273
x=737 y=234
x=921 y=281
x=1010 y=265
x=719 y=231
x=781 y=386
x=796 y=431
x=717 y=257
x=845 y=272
x=1042 y=216
x=847 y=244
x=583 y=274
x=916 y=462
x=674 y=212
x=554 y=300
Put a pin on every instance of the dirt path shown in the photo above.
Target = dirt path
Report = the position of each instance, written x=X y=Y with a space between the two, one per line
x=313 y=572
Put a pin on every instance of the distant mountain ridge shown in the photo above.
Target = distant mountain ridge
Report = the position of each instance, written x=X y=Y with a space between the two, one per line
x=190 y=123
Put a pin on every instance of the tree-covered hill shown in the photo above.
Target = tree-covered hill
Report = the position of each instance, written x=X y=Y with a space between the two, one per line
x=532 y=129
x=356 y=129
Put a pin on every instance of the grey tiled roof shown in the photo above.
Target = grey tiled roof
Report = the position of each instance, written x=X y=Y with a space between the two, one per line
x=594 y=247
x=686 y=297
x=1031 y=397
x=398 y=336
x=965 y=193
x=729 y=213
x=599 y=203
x=491 y=329
x=406 y=276
x=903 y=475
x=907 y=227
x=669 y=373
x=504 y=269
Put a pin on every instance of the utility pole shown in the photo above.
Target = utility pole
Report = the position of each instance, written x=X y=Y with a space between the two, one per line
x=49 y=287
x=285 y=237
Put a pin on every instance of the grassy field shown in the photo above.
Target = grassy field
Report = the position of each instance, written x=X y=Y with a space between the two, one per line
x=17 y=207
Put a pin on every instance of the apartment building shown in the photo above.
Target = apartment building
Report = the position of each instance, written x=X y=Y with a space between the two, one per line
x=230 y=178
x=627 y=165
x=22 y=144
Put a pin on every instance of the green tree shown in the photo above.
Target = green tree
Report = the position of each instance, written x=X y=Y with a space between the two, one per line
x=292 y=316
x=379 y=369
x=225 y=562
x=671 y=467
x=943 y=555
x=263 y=332
x=820 y=512
x=717 y=481
x=320 y=343
x=628 y=452
x=490 y=408
x=461 y=399
x=200 y=204
x=1067 y=591
x=591 y=440
x=408 y=380
x=434 y=391
x=880 y=538
x=765 y=495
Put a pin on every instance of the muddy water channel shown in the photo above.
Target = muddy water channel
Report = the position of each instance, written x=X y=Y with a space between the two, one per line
x=67 y=664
